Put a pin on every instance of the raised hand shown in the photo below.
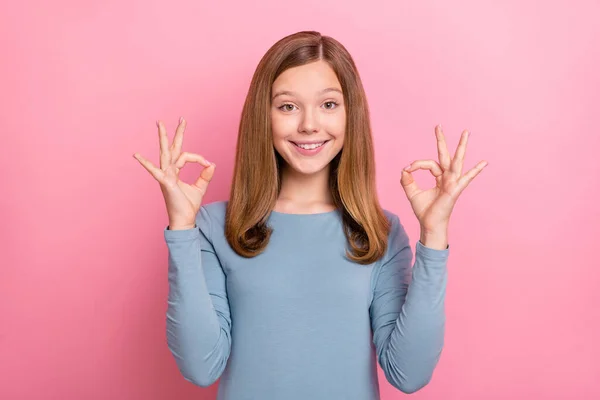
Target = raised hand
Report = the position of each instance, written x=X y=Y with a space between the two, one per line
x=434 y=206
x=183 y=201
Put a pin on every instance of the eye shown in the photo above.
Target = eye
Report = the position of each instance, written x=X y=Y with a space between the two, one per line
x=284 y=107
x=333 y=103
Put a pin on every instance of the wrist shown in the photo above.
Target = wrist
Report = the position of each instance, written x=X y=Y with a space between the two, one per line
x=437 y=239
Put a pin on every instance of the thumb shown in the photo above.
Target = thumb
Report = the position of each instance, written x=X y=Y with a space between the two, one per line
x=408 y=184
x=206 y=175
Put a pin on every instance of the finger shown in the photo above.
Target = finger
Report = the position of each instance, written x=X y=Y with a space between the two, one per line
x=165 y=155
x=409 y=184
x=443 y=154
x=407 y=180
x=431 y=165
x=191 y=157
x=178 y=139
x=464 y=181
x=206 y=175
x=154 y=171
x=459 y=156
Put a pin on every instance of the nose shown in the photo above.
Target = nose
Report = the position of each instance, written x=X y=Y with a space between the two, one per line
x=309 y=122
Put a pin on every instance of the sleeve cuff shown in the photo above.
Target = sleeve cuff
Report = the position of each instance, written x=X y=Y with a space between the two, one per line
x=181 y=234
x=432 y=254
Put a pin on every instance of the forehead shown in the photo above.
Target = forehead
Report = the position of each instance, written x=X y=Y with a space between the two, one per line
x=307 y=79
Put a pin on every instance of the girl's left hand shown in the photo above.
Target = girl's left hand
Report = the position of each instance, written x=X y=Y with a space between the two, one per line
x=434 y=206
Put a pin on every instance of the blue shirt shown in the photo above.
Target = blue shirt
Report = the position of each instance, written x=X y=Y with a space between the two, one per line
x=300 y=321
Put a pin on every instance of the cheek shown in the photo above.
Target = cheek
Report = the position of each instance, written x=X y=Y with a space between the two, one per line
x=336 y=125
x=282 y=127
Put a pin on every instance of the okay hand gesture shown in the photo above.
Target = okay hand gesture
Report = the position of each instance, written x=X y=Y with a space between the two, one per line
x=183 y=201
x=434 y=206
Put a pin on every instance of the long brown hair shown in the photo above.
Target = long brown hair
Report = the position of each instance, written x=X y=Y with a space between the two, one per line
x=257 y=172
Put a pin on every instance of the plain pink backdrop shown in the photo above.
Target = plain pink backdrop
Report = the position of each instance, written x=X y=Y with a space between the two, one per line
x=83 y=280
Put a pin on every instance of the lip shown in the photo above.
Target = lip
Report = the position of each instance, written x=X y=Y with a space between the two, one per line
x=308 y=141
x=306 y=152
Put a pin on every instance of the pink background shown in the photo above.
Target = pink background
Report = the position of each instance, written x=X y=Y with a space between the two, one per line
x=83 y=281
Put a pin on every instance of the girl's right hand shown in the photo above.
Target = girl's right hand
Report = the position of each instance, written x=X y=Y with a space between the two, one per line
x=183 y=201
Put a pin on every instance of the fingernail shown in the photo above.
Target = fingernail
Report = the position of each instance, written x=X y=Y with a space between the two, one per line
x=180 y=119
x=407 y=167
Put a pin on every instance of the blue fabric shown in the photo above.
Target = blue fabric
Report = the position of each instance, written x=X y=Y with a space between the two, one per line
x=301 y=321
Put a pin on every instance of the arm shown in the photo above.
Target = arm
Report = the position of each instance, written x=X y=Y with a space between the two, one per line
x=198 y=319
x=407 y=311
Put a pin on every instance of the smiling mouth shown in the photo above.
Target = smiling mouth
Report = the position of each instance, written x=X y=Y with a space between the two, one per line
x=310 y=148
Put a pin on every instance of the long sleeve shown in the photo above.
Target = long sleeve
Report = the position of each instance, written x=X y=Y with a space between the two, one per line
x=198 y=315
x=407 y=311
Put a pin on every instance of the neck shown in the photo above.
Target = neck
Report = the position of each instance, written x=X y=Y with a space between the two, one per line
x=300 y=191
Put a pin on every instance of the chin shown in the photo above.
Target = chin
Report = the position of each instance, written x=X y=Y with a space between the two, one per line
x=305 y=167
x=308 y=170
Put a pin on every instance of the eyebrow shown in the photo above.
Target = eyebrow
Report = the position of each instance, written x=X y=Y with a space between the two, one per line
x=283 y=92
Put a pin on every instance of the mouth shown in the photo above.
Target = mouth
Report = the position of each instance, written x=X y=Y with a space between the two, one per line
x=309 y=150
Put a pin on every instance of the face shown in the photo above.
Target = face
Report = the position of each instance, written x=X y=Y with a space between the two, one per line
x=308 y=116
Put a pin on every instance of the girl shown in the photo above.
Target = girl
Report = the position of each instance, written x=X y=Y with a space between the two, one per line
x=297 y=285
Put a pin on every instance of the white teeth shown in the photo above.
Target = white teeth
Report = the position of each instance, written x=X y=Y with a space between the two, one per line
x=310 y=146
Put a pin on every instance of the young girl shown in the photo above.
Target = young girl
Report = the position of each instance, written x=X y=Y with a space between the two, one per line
x=301 y=282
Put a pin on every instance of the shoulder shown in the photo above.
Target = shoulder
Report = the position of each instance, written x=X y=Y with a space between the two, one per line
x=398 y=239
x=211 y=217
x=396 y=226
x=216 y=209
x=390 y=215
